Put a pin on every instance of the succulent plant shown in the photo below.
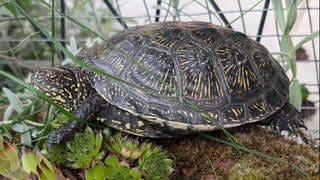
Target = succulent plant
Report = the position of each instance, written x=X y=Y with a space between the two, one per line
x=127 y=148
x=10 y=166
x=153 y=161
x=30 y=164
x=112 y=169
x=155 y=164
x=84 y=148
x=38 y=164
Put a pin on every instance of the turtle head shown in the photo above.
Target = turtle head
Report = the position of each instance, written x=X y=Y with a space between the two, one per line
x=66 y=86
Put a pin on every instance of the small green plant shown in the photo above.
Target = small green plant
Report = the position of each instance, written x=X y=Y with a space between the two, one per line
x=113 y=169
x=99 y=171
x=152 y=161
x=126 y=147
x=81 y=152
x=155 y=164
x=127 y=159
x=84 y=148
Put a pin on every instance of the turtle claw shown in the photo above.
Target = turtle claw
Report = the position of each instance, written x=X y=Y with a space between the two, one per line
x=64 y=133
x=286 y=124
x=287 y=119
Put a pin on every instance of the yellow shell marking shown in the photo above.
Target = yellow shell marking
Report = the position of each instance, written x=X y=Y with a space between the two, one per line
x=237 y=70
x=59 y=99
x=235 y=114
x=200 y=79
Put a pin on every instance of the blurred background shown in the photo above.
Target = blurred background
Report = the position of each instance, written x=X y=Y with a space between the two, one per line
x=24 y=46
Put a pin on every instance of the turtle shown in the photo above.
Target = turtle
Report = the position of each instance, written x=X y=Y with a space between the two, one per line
x=170 y=79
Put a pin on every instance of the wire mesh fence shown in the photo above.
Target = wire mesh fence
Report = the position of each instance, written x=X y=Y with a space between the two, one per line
x=254 y=18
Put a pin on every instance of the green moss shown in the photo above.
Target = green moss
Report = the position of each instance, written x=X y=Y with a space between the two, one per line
x=245 y=171
x=197 y=157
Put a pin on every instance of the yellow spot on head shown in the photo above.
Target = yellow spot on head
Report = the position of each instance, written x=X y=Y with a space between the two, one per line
x=128 y=126
x=59 y=98
x=140 y=123
x=116 y=122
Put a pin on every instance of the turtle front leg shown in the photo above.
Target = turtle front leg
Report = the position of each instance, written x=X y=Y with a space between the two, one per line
x=64 y=133
x=287 y=118
x=84 y=111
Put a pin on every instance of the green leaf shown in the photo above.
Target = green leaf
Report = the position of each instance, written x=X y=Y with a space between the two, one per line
x=113 y=161
x=13 y=99
x=98 y=143
x=278 y=11
x=91 y=42
x=306 y=39
x=29 y=161
x=72 y=46
x=135 y=174
x=124 y=171
x=4 y=3
x=295 y=97
x=1 y=143
x=9 y=162
x=8 y=112
x=291 y=15
x=38 y=164
x=110 y=171
x=286 y=47
x=45 y=170
x=99 y=171
x=304 y=92
x=26 y=135
x=83 y=149
x=12 y=9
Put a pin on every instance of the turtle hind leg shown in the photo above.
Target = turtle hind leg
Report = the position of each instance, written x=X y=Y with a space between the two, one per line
x=287 y=118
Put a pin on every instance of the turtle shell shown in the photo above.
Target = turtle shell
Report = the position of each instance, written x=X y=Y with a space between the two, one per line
x=188 y=76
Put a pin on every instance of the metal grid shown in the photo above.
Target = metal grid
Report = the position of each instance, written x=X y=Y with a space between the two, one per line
x=257 y=21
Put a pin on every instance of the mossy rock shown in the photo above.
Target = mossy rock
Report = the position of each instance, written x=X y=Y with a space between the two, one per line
x=200 y=158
